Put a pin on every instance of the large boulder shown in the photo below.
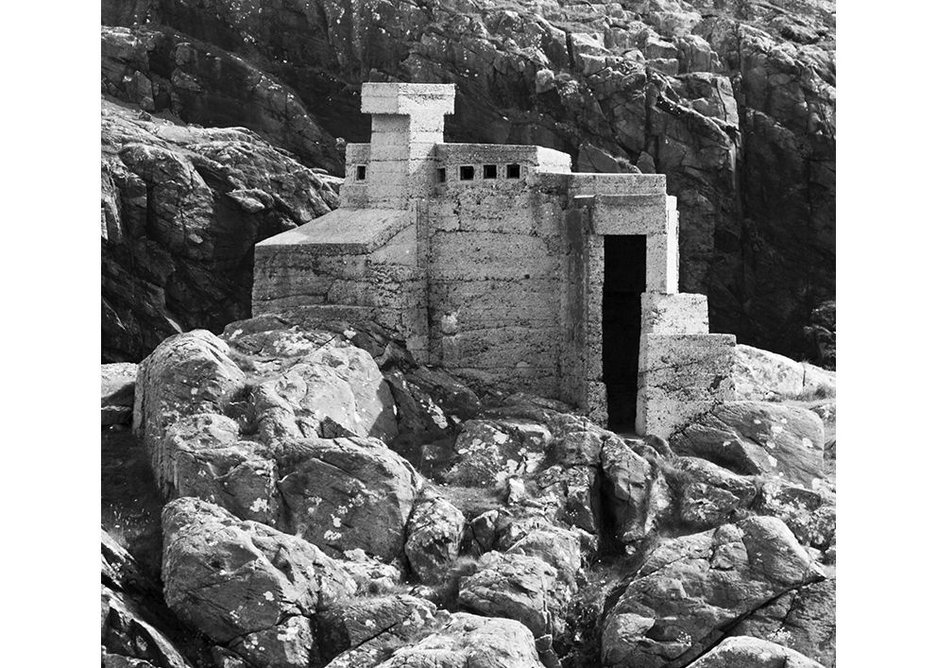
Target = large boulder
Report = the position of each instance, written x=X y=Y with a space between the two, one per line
x=692 y=588
x=519 y=587
x=765 y=376
x=470 y=640
x=744 y=652
x=758 y=438
x=488 y=452
x=246 y=585
x=803 y=620
x=187 y=374
x=708 y=495
x=367 y=631
x=347 y=493
x=240 y=425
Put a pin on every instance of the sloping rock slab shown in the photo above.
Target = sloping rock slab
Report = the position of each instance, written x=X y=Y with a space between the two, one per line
x=347 y=493
x=745 y=652
x=690 y=588
x=366 y=631
x=519 y=587
x=246 y=585
x=753 y=437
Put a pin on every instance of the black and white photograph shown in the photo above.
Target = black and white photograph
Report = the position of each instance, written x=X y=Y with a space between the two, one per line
x=481 y=334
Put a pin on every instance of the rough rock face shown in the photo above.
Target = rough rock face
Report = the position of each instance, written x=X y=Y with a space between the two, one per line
x=292 y=540
x=181 y=209
x=733 y=101
x=750 y=437
x=470 y=640
x=349 y=493
x=635 y=491
x=803 y=620
x=136 y=627
x=516 y=586
x=364 y=632
x=434 y=535
x=691 y=588
x=246 y=585
x=743 y=652
x=765 y=376
x=117 y=386
x=709 y=495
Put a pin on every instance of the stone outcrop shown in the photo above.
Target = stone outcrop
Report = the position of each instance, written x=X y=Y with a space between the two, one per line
x=181 y=209
x=367 y=631
x=691 y=588
x=137 y=629
x=434 y=536
x=750 y=437
x=349 y=493
x=635 y=492
x=765 y=376
x=803 y=620
x=165 y=72
x=470 y=640
x=245 y=585
x=733 y=101
x=291 y=540
x=743 y=652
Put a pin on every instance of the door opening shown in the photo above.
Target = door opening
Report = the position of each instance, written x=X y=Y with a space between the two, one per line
x=625 y=271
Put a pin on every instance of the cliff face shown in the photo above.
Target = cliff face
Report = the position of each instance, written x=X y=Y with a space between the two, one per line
x=732 y=100
x=181 y=208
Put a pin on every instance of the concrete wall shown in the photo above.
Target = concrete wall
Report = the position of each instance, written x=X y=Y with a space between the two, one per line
x=317 y=281
x=496 y=274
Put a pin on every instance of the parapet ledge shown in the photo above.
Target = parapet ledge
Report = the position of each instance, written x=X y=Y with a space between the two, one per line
x=583 y=183
x=407 y=99
x=343 y=232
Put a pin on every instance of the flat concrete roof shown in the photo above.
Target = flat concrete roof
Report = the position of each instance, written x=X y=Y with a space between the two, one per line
x=345 y=231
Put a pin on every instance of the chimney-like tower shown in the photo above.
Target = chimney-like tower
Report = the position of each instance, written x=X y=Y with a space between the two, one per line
x=406 y=124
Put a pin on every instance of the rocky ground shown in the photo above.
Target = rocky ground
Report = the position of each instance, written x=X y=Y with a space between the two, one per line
x=733 y=100
x=295 y=497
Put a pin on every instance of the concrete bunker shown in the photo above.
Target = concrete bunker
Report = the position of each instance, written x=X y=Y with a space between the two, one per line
x=500 y=264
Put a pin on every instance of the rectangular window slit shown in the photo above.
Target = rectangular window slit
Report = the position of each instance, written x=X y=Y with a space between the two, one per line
x=441 y=174
x=490 y=171
x=466 y=173
x=513 y=171
x=361 y=172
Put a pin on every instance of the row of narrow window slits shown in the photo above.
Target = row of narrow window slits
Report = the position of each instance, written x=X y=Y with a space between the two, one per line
x=466 y=172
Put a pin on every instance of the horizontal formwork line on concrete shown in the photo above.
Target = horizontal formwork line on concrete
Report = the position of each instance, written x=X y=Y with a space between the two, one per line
x=546 y=326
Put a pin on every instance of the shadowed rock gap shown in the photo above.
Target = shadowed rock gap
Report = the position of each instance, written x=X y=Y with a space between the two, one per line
x=625 y=270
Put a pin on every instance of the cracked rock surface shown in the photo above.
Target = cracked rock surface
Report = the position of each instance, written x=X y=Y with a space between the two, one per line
x=308 y=521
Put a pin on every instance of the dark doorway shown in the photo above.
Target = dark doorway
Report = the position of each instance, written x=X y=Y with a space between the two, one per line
x=625 y=270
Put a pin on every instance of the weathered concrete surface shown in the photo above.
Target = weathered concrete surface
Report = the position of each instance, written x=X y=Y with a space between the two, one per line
x=476 y=257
